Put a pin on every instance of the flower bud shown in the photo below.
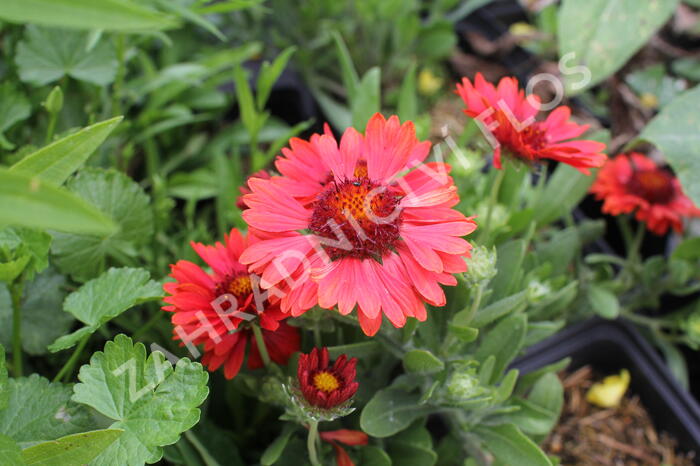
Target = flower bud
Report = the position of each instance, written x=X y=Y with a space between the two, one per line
x=54 y=101
x=481 y=266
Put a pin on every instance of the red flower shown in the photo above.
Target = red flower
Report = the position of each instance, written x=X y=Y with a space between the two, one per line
x=634 y=182
x=509 y=117
x=325 y=386
x=195 y=296
x=362 y=224
x=245 y=189
x=348 y=437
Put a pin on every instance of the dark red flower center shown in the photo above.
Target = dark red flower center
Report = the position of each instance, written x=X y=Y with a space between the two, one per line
x=359 y=217
x=534 y=137
x=655 y=186
x=520 y=139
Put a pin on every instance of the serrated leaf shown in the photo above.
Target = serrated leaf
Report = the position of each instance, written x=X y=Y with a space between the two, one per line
x=14 y=107
x=675 y=131
x=57 y=161
x=104 y=298
x=602 y=35
x=145 y=397
x=509 y=446
x=10 y=453
x=118 y=197
x=46 y=55
x=390 y=411
x=422 y=361
x=39 y=411
x=4 y=384
x=26 y=201
x=110 y=15
x=70 y=450
x=43 y=319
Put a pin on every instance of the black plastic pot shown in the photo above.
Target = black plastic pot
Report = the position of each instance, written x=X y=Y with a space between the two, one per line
x=609 y=346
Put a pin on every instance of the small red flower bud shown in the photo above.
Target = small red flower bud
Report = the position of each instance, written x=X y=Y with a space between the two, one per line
x=324 y=385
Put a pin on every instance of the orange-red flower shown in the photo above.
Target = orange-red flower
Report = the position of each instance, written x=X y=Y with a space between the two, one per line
x=324 y=385
x=347 y=437
x=634 y=182
x=365 y=223
x=195 y=295
x=262 y=174
x=508 y=118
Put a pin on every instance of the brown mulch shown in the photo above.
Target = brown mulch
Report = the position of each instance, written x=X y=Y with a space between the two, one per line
x=621 y=436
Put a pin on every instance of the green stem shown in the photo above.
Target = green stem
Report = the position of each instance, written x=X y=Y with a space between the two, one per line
x=635 y=246
x=203 y=452
x=311 y=441
x=67 y=368
x=317 y=334
x=261 y=345
x=16 y=294
x=53 y=117
x=147 y=326
x=493 y=200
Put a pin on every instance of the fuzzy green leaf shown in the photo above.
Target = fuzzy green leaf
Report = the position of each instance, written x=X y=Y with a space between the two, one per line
x=70 y=450
x=46 y=55
x=117 y=196
x=390 y=411
x=422 y=361
x=509 y=446
x=675 y=131
x=10 y=453
x=602 y=35
x=56 y=162
x=39 y=411
x=603 y=301
x=104 y=298
x=145 y=397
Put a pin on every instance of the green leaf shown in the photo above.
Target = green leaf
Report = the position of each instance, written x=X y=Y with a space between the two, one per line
x=407 y=108
x=500 y=308
x=145 y=397
x=366 y=101
x=390 y=411
x=56 y=162
x=39 y=411
x=104 y=298
x=689 y=249
x=436 y=41
x=509 y=446
x=504 y=342
x=412 y=447
x=351 y=79
x=246 y=104
x=603 y=301
x=43 y=319
x=422 y=361
x=109 y=15
x=4 y=388
x=269 y=75
x=675 y=131
x=358 y=350
x=568 y=186
x=602 y=35
x=10 y=453
x=274 y=450
x=70 y=450
x=191 y=16
x=14 y=107
x=122 y=199
x=374 y=456
x=26 y=251
x=28 y=202
x=46 y=55
x=509 y=262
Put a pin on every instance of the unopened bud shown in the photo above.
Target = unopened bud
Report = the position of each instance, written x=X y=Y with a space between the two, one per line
x=481 y=266
x=54 y=101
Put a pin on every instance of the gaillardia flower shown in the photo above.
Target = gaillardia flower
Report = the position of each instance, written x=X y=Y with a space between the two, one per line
x=363 y=223
x=508 y=117
x=324 y=385
x=203 y=310
x=634 y=182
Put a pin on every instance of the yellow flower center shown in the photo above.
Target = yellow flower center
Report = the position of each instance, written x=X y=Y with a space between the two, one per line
x=326 y=382
x=240 y=286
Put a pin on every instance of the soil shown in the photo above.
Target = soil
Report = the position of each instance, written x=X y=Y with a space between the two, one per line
x=620 y=436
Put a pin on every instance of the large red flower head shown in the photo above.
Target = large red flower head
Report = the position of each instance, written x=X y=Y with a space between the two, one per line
x=629 y=183
x=324 y=385
x=365 y=223
x=508 y=119
x=213 y=309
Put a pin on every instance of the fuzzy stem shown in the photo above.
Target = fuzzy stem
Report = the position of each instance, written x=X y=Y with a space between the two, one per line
x=261 y=345
x=16 y=293
x=311 y=441
x=493 y=200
